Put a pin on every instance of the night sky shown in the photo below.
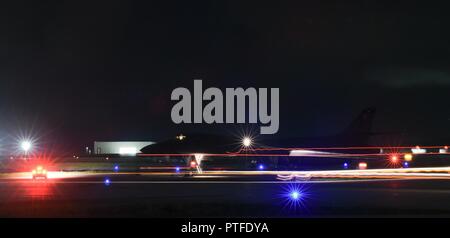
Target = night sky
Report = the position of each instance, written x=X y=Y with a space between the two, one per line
x=73 y=72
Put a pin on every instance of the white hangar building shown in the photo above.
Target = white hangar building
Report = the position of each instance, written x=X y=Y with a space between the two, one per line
x=119 y=147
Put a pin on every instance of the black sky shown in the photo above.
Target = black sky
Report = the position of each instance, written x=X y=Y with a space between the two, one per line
x=82 y=71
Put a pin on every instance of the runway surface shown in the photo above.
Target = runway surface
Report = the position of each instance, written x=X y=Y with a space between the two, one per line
x=231 y=194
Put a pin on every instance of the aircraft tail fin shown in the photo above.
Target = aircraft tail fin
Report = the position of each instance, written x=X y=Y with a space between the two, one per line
x=362 y=124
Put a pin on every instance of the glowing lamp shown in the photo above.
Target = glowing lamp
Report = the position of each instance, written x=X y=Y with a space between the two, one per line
x=181 y=137
x=408 y=157
x=25 y=145
x=295 y=195
x=394 y=158
x=246 y=142
x=362 y=165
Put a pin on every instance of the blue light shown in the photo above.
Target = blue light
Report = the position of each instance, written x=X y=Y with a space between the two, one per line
x=177 y=169
x=406 y=164
x=345 y=165
x=295 y=195
x=261 y=167
x=107 y=182
x=116 y=168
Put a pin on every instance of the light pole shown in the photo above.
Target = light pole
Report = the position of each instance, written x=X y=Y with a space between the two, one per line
x=246 y=143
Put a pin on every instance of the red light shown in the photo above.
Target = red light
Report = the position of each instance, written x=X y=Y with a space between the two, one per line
x=394 y=159
x=362 y=165
x=193 y=164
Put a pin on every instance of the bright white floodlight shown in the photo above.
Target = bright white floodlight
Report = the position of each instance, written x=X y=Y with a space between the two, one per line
x=247 y=141
x=25 y=145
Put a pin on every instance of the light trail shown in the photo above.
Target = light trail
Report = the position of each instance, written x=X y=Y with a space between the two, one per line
x=330 y=155
x=400 y=173
x=350 y=148
x=365 y=171
x=219 y=182
x=307 y=152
